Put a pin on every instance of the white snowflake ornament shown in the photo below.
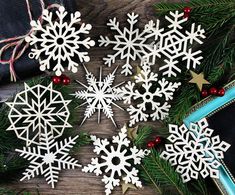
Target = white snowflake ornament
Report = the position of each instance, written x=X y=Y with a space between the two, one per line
x=129 y=44
x=37 y=109
x=49 y=158
x=194 y=151
x=116 y=161
x=100 y=95
x=148 y=96
x=174 y=44
x=59 y=42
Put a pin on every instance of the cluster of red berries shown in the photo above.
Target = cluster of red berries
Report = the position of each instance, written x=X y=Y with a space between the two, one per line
x=187 y=11
x=152 y=144
x=63 y=79
x=213 y=91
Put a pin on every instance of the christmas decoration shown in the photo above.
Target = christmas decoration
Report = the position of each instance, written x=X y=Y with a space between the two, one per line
x=221 y=92
x=151 y=144
x=100 y=95
x=37 y=109
x=204 y=93
x=127 y=186
x=198 y=79
x=59 y=42
x=173 y=44
x=49 y=158
x=129 y=44
x=132 y=133
x=194 y=151
x=66 y=80
x=187 y=11
x=213 y=91
x=148 y=95
x=117 y=161
x=158 y=140
x=56 y=80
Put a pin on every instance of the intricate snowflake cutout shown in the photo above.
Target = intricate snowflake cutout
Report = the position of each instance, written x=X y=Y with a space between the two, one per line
x=59 y=42
x=129 y=44
x=38 y=108
x=194 y=151
x=116 y=161
x=100 y=95
x=148 y=97
x=49 y=158
x=173 y=44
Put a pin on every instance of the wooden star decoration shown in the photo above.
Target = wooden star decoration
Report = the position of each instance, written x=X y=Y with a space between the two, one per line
x=127 y=186
x=198 y=79
x=132 y=132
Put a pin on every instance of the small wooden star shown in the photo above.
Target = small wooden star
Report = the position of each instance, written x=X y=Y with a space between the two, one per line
x=132 y=132
x=198 y=79
x=127 y=186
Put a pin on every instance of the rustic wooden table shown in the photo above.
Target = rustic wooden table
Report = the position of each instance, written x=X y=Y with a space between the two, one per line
x=95 y=12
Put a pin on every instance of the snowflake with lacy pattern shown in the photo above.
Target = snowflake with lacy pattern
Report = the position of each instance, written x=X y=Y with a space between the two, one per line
x=38 y=108
x=147 y=96
x=173 y=44
x=49 y=158
x=129 y=44
x=116 y=162
x=59 y=42
x=194 y=151
x=100 y=95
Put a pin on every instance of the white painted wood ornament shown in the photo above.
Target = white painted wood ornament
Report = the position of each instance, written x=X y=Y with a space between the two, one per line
x=100 y=95
x=116 y=162
x=59 y=43
x=194 y=151
x=38 y=109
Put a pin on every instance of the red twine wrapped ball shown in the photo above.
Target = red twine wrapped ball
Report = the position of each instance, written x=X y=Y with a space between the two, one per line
x=187 y=11
x=151 y=144
x=56 y=80
x=213 y=91
x=204 y=93
x=221 y=92
x=158 y=140
x=66 y=80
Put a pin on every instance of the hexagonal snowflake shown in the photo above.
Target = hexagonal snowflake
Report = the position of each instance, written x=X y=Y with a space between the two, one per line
x=116 y=161
x=58 y=42
x=194 y=151
x=36 y=109
x=148 y=96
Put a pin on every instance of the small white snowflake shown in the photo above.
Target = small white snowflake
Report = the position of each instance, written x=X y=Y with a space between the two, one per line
x=129 y=44
x=194 y=151
x=100 y=95
x=146 y=95
x=49 y=158
x=59 y=42
x=173 y=44
x=116 y=161
x=38 y=108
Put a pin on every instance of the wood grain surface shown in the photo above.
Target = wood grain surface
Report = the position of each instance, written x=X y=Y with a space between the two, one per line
x=95 y=12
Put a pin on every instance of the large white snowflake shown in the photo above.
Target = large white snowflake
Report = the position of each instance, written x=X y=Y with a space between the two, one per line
x=59 y=43
x=173 y=44
x=194 y=151
x=37 y=109
x=129 y=44
x=100 y=95
x=49 y=158
x=116 y=161
x=147 y=96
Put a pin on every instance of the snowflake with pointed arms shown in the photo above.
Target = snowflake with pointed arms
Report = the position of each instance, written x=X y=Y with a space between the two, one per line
x=173 y=44
x=116 y=161
x=146 y=95
x=194 y=151
x=49 y=158
x=99 y=95
x=59 y=42
x=38 y=108
x=129 y=44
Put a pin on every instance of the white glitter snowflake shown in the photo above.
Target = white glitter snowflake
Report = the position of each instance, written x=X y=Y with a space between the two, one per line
x=194 y=151
x=36 y=109
x=116 y=161
x=100 y=95
x=59 y=42
x=129 y=44
x=148 y=96
x=173 y=44
x=49 y=158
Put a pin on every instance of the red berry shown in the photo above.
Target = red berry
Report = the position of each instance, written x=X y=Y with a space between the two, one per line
x=150 y=144
x=56 y=80
x=187 y=9
x=158 y=140
x=221 y=92
x=213 y=91
x=204 y=93
x=66 y=80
